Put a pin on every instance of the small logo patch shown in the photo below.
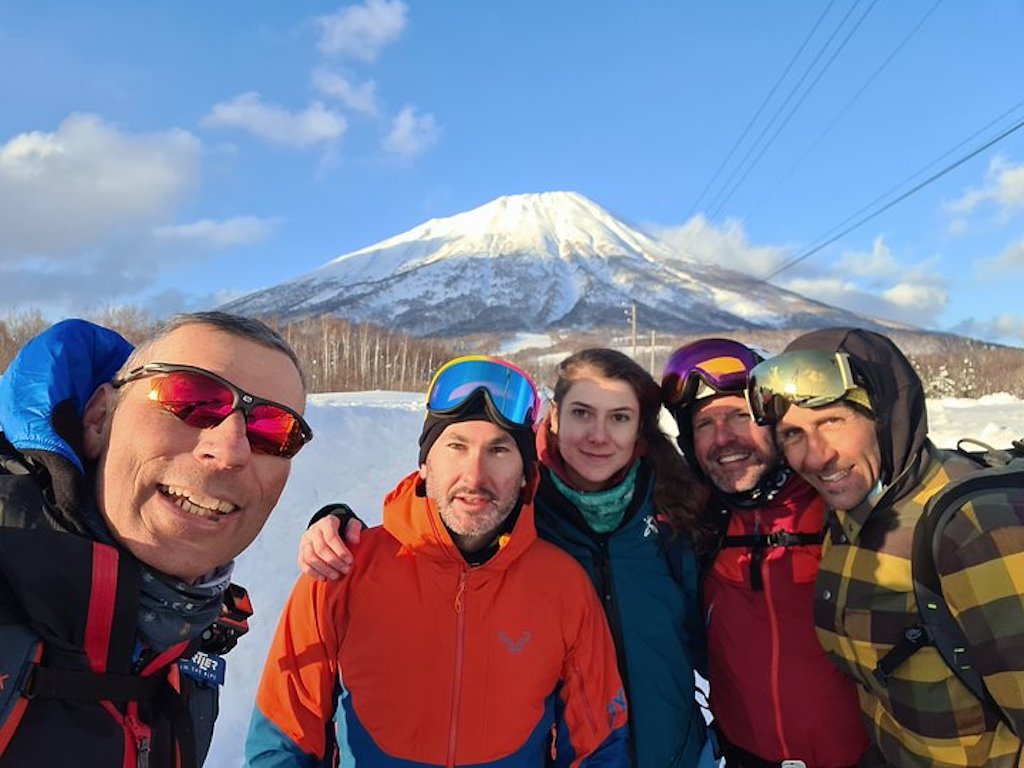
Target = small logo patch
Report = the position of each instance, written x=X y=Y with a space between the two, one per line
x=3 y=681
x=617 y=706
x=206 y=668
x=650 y=526
x=514 y=646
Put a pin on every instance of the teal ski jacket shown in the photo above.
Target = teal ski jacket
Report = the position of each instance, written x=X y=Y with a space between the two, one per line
x=647 y=582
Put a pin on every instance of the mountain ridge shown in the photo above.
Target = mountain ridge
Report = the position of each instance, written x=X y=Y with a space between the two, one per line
x=530 y=263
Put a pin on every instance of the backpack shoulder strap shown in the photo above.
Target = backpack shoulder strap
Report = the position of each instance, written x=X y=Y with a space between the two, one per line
x=714 y=537
x=936 y=626
x=941 y=628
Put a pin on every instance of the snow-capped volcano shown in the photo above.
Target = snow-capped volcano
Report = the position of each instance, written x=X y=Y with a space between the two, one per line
x=533 y=262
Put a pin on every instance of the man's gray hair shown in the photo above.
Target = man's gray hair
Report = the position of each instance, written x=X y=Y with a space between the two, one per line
x=237 y=325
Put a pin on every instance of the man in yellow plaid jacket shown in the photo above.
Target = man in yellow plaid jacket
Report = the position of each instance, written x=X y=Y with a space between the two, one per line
x=849 y=413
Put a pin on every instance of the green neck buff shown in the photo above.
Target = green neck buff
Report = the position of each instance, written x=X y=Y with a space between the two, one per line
x=603 y=510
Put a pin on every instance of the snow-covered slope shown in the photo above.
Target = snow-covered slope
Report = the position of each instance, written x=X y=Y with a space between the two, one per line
x=365 y=442
x=529 y=263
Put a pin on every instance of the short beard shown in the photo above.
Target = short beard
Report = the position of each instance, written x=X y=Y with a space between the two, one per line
x=477 y=530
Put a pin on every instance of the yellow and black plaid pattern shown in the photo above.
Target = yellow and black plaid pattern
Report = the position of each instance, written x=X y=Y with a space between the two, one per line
x=865 y=599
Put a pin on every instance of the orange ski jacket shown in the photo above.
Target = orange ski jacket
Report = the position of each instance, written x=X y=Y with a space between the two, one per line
x=417 y=657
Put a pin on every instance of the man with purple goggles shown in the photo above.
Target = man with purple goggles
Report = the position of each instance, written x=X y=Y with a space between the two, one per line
x=707 y=365
x=774 y=694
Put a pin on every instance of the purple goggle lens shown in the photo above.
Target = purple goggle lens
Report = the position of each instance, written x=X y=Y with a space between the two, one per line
x=721 y=364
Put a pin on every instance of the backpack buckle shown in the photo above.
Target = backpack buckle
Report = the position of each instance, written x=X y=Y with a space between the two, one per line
x=232 y=623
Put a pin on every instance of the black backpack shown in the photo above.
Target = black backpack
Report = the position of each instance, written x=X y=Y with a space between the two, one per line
x=1000 y=474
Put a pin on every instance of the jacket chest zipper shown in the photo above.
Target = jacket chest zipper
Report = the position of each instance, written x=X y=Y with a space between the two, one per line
x=460 y=632
x=142 y=734
x=773 y=622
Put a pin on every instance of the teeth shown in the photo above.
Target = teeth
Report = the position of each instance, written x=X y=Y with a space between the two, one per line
x=197 y=504
x=834 y=477
x=730 y=458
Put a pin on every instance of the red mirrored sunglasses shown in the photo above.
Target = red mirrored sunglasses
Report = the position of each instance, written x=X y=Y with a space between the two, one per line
x=203 y=399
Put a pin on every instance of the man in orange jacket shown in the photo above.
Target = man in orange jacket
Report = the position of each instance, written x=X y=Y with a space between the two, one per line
x=458 y=637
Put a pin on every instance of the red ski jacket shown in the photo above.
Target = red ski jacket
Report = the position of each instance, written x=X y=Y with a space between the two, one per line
x=774 y=692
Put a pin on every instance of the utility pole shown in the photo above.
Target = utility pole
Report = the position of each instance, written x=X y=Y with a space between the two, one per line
x=652 y=355
x=633 y=323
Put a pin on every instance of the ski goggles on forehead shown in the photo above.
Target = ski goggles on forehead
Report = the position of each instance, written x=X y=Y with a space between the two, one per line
x=507 y=387
x=721 y=364
x=203 y=399
x=806 y=378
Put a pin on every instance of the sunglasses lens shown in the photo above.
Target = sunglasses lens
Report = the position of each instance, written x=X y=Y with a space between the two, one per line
x=806 y=378
x=273 y=430
x=721 y=364
x=196 y=399
x=509 y=389
x=202 y=402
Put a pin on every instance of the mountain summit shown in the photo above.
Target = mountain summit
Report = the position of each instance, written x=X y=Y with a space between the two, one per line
x=534 y=262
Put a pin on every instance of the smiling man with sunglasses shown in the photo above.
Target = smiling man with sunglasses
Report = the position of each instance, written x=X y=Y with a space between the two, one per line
x=122 y=508
x=848 y=411
x=458 y=638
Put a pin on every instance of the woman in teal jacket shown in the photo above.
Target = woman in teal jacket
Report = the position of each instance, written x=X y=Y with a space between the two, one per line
x=616 y=494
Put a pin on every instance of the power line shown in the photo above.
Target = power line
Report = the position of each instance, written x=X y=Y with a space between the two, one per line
x=750 y=124
x=806 y=255
x=860 y=92
x=917 y=173
x=715 y=205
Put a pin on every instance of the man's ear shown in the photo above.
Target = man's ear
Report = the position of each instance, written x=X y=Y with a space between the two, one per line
x=96 y=420
x=423 y=471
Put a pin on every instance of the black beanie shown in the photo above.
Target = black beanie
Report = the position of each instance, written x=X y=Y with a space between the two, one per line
x=477 y=408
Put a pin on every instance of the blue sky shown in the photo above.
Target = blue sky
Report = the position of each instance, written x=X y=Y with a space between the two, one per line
x=170 y=155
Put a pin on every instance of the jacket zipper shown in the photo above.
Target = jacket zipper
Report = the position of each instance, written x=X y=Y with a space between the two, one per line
x=774 y=687
x=460 y=631
x=582 y=696
x=142 y=734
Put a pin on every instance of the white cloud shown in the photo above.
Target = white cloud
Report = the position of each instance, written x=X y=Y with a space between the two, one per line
x=1003 y=188
x=921 y=299
x=360 y=98
x=65 y=192
x=411 y=134
x=315 y=125
x=873 y=283
x=916 y=303
x=1012 y=257
x=726 y=246
x=361 y=31
x=86 y=216
x=879 y=263
x=1009 y=328
x=207 y=233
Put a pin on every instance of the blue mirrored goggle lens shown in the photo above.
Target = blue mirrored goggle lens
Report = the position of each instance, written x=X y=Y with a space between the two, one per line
x=510 y=391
